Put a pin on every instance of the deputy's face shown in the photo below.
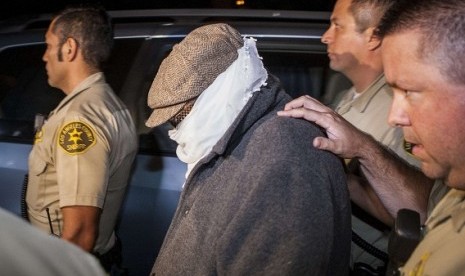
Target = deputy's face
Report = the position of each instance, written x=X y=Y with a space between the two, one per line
x=345 y=44
x=54 y=66
x=429 y=108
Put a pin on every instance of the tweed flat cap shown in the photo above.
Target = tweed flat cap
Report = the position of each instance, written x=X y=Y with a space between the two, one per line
x=190 y=68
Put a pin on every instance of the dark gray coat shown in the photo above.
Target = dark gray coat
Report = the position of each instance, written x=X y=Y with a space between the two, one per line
x=263 y=202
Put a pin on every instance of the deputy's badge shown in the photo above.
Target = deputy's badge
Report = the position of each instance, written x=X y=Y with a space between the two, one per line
x=39 y=121
x=408 y=147
x=419 y=268
x=76 y=138
x=38 y=136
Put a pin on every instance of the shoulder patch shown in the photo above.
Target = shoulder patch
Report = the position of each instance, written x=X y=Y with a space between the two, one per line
x=76 y=138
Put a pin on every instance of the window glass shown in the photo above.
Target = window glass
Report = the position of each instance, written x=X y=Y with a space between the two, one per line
x=300 y=73
x=24 y=91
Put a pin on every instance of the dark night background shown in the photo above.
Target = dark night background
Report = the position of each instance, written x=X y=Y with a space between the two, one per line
x=15 y=8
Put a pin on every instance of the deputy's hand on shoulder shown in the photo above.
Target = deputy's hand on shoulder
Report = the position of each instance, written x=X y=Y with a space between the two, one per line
x=342 y=138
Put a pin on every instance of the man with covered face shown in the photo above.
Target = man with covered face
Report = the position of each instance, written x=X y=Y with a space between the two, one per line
x=257 y=198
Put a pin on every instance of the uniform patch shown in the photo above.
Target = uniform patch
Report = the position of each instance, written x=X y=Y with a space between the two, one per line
x=76 y=138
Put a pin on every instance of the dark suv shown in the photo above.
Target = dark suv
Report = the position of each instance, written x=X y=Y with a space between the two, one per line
x=289 y=43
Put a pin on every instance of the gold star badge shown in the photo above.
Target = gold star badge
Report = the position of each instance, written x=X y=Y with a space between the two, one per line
x=76 y=138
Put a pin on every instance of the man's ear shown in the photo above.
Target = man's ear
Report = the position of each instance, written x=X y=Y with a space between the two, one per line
x=70 y=49
x=372 y=40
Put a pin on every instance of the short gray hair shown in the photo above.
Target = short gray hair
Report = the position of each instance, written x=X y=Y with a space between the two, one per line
x=368 y=13
x=441 y=24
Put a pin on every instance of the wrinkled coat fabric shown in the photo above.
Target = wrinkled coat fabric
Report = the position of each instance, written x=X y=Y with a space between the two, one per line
x=263 y=202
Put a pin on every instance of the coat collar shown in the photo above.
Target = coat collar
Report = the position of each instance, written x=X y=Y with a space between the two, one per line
x=258 y=106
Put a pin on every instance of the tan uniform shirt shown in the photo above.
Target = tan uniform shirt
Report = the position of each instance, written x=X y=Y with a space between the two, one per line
x=369 y=113
x=82 y=156
x=442 y=251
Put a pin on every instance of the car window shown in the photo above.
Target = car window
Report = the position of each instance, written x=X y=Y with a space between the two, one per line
x=300 y=73
x=24 y=91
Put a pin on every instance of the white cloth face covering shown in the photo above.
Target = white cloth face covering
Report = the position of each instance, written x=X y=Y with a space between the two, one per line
x=218 y=106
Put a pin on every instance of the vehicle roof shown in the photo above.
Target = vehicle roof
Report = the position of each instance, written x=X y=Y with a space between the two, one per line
x=291 y=25
x=177 y=16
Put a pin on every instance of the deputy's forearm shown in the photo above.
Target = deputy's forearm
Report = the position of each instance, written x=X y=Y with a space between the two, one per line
x=80 y=237
x=363 y=195
x=397 y=184
x=80 y=226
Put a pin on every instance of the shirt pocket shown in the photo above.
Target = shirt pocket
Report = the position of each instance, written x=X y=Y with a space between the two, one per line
x=37 y=194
